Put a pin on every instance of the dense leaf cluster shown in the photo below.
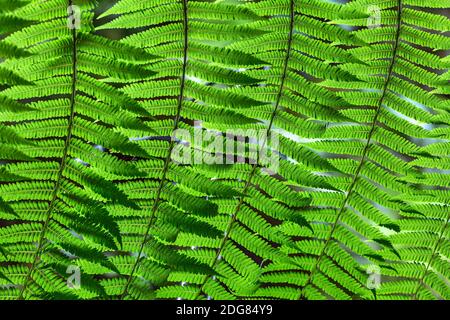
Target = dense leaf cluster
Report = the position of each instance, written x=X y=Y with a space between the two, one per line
x=356 y=95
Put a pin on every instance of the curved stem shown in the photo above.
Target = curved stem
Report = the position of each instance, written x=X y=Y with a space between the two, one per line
x=169 y=152
x=269 y=129
x=62 y=165
x=366 y=148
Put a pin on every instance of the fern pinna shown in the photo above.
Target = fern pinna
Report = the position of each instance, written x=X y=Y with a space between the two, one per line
x=100 y=173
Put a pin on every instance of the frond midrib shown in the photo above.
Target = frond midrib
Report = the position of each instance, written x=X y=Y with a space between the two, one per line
x=169 y=151
x=365 y=150
x=62 y=166
x=269 y=129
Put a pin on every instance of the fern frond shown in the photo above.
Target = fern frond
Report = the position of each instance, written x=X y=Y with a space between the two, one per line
x=66 y=195
x=190 y=149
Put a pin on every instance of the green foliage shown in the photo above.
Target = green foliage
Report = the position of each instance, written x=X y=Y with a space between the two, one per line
x=89 y=174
